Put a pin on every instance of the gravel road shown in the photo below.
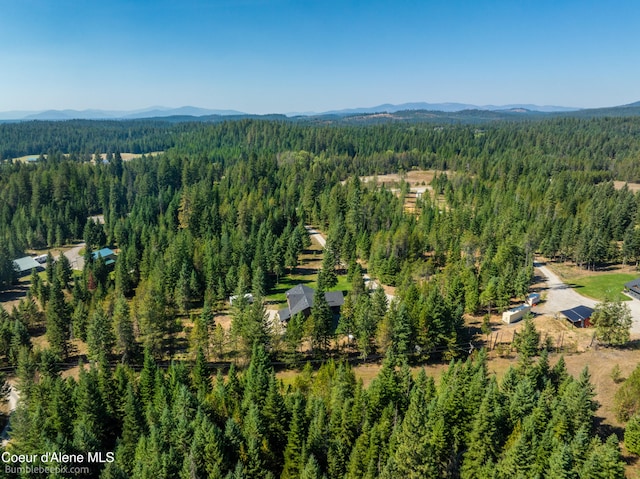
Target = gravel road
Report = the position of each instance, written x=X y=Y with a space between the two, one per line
x=74 y=256
x=561 y=297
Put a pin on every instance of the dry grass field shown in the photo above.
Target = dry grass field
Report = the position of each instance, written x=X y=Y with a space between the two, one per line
x=633 y=187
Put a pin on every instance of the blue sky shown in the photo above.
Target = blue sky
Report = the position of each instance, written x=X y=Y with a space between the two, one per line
x=266 y=56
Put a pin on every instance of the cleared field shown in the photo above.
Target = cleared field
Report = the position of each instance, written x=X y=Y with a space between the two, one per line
x=633 y=187
x=124 y=156
x=413 y=177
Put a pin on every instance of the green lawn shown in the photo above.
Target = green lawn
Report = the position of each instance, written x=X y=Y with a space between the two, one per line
x=289 y=281
x=598 y=286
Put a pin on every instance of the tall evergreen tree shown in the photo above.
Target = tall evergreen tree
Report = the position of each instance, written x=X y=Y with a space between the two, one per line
x=58 y=321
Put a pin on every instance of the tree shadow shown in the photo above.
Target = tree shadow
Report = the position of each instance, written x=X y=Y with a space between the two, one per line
x=15 y=293
x=604 y=430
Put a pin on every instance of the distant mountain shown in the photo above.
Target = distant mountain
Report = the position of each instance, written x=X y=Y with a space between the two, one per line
x=447 y=108
x=14 y=115
x=417 y=111
x=70 y=115
x=160 y=112
x=153 y=112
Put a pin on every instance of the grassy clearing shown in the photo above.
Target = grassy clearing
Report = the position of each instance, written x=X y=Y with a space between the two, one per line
x=599 y=286
x=289 y=281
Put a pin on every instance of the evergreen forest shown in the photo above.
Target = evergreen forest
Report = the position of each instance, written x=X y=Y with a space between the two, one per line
x=224 y=210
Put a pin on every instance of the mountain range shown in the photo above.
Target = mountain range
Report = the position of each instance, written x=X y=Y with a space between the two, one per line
x=413 y=110
x=162 y=112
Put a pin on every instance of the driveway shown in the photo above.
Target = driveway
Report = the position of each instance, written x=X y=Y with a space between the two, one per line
x=74 y=256
x=561 y=297
x=316 y=235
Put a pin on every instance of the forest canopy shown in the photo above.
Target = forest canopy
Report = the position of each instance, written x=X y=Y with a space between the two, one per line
x=223 y=211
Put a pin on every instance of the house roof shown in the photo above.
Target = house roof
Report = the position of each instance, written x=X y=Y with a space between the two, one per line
x=300 y=298
x=577 y=314
x=284 y=314
x=26 y=264
x=104 y=252
x=633 y=285
x=522 y=307
x=334 y=298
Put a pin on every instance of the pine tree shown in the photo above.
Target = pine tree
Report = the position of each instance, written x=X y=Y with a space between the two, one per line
x=604 y=461
x=293 y=459
x=276 y=418
x=561 y=463
x=257 y=378
x=632 y=435
x=58 y=322
x=484 y=440
x=132 y=428
x=612 y=320
x=200 y=374
x=327 y=277
x=311 y=469
x=526 y=342
x=125 y=344
x=320 y=323
x=63 y=271
x=100 y=338
x=414 y=454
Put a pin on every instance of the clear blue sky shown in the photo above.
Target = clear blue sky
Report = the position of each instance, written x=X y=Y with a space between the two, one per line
x=282 y=55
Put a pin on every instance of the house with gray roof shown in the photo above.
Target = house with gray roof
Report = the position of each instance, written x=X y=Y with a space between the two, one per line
x=23 y=266
x=300 y=300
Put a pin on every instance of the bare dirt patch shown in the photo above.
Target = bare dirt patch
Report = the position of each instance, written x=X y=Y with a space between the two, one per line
x=413 y=177
x=633 y=187
x=419 y=182
x=131 y=156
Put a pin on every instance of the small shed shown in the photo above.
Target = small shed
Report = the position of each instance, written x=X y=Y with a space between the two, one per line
x=580 y=316
x=515 y=314
x=23 y=266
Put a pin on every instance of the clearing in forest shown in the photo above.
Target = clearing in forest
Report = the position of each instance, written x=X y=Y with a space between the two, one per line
x=633 y=187
x=419 y=182
x=596 y=284
x=309 y=263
